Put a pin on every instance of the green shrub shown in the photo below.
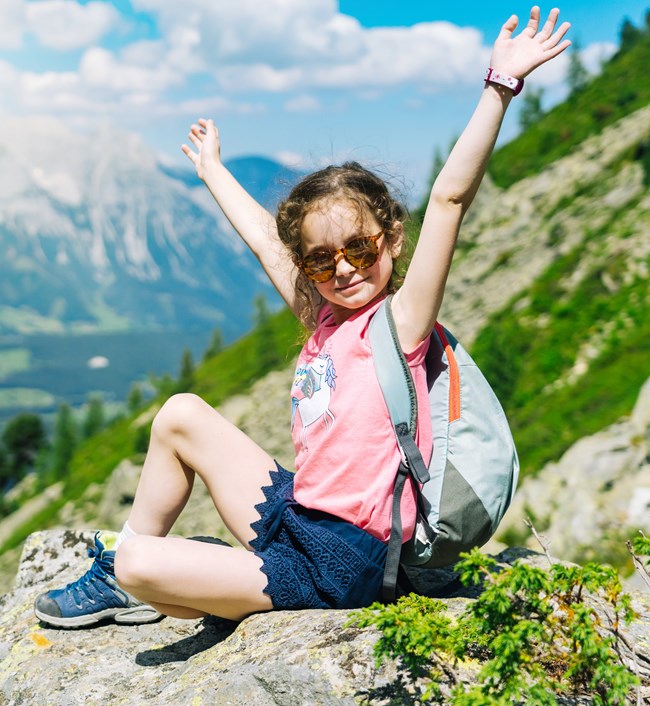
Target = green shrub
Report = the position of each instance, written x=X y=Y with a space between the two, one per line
x=534 y=634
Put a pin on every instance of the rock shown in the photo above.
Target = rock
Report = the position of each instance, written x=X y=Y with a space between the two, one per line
x=511 y=236
x=595 y=497
x=280 y=658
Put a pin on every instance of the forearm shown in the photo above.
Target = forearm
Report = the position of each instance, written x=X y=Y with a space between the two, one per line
x=463 y=172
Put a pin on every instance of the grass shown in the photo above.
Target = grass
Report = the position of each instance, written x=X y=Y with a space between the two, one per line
x=619 y=90
x=523 y=360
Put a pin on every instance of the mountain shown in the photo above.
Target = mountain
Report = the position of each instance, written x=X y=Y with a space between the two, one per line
x=98 y=234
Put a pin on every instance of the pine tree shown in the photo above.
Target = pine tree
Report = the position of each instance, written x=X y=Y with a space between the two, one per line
x=629 y=35
x=216 y=345
x=531 y=107
x=186 y=375
x=23 y=437
x=5 y=470
x=65 y=440
x=267 y=354
x=94 y=420
x=577 y=75
x=135 y=399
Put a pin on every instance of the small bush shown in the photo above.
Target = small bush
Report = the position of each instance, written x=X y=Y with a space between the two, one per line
x=536 y=635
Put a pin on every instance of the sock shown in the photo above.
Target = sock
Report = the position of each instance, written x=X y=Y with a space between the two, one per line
x=126 y=533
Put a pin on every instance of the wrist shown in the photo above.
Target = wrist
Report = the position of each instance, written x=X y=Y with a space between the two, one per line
x=211 y=172
x=501 y=78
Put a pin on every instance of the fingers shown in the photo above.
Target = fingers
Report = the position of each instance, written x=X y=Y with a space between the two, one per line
x=549 y=25
x=554 y=51
x=197 y=134
x=554 y=39
x=191 y=155
x=509 y=26
x=533 y=22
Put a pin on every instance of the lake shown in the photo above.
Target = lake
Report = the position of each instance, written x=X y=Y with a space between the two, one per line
x=38 y=372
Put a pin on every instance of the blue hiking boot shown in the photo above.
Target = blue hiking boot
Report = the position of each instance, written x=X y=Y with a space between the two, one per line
x=95 y=596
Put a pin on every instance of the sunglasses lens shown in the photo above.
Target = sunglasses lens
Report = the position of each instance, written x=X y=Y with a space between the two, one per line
x=319 y=266
x=361 y=253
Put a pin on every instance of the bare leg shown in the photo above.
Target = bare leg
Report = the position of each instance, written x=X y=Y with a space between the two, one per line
x=189 y=438
x=188 y=579
x=185 y=578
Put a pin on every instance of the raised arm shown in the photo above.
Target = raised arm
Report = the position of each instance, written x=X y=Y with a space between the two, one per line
x=253 y=222
x=417 y=303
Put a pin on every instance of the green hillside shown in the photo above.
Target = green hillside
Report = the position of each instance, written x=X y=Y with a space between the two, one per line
x=619 y=90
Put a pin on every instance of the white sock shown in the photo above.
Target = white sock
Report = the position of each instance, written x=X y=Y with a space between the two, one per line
x=126 y=533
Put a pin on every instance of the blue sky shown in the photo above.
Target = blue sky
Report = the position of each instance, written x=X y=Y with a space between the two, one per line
x=305 y=81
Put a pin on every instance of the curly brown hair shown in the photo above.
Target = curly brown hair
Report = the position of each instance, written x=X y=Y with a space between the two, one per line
x=350 y=182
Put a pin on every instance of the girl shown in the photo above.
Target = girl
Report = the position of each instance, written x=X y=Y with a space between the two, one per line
x=316 y=539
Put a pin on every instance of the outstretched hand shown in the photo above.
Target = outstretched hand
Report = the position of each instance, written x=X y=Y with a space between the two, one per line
x=205 y=137
x=532 y=47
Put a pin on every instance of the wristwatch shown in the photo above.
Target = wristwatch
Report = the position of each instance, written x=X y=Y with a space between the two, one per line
x=514 y=84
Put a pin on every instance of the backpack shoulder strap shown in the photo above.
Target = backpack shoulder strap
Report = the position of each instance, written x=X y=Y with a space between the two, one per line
x=397 y=386
x=391 y=367
x=398 y=389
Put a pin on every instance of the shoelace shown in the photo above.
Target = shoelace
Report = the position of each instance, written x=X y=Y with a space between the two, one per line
x=98 y=570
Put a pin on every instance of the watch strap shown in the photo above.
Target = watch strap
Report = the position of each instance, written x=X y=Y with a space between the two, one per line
x=514 y=84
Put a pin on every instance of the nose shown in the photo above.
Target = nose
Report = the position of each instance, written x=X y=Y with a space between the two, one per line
x=343 y=267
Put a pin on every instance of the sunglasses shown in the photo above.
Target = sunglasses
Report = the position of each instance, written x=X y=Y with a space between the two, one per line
x=361 y=253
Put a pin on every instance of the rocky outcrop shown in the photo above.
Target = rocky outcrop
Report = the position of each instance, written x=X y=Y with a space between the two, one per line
x=596 y=496
x=511 y=236
x=282 y=658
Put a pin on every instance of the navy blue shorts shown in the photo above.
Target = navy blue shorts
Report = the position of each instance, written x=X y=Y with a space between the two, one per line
x=313 y=559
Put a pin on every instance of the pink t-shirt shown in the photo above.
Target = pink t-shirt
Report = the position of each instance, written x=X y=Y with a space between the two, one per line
x=346 y=452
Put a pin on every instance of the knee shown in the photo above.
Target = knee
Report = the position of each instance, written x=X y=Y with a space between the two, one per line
x=131 y=563
x=177 y=416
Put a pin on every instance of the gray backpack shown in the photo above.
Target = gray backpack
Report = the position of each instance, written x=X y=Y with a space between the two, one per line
x=471 y=479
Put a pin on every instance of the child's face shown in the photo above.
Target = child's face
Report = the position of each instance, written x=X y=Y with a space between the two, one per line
x=333 y=225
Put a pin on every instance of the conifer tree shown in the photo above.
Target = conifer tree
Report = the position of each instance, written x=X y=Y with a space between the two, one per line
x=577 y=75
x=186 y=375
x=629 y=35
x=65 y=440
x=216 y=345
x=94 y=420
x=135 y=398
x=23 y=437
x=5 y=470
x=266 y=350
x=531 y=107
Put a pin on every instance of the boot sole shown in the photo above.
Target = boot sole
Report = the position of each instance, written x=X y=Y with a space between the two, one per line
x=137 y=615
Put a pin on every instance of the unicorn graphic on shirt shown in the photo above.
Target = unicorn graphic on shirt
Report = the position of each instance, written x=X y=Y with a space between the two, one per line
x=311 y=392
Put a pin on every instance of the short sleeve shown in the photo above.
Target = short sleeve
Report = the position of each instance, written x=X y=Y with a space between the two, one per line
x=417 y=355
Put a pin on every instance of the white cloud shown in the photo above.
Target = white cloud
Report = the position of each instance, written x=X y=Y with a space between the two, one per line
x=302 y=104
x=102 y=69
x=64 y=24
x=553 y=73
x=296 y=45
x=12 y=24
x=596 y=54
x=293 y=160
x=231 y=47
x=56 y=24
x=205 y=107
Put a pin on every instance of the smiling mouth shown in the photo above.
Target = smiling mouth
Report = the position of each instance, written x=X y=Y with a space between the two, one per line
x=351 y=285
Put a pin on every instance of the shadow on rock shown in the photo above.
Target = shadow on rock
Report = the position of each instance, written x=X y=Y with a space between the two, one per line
x=214 y=631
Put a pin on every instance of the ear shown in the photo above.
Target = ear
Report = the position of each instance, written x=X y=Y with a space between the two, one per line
x=396 y=247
